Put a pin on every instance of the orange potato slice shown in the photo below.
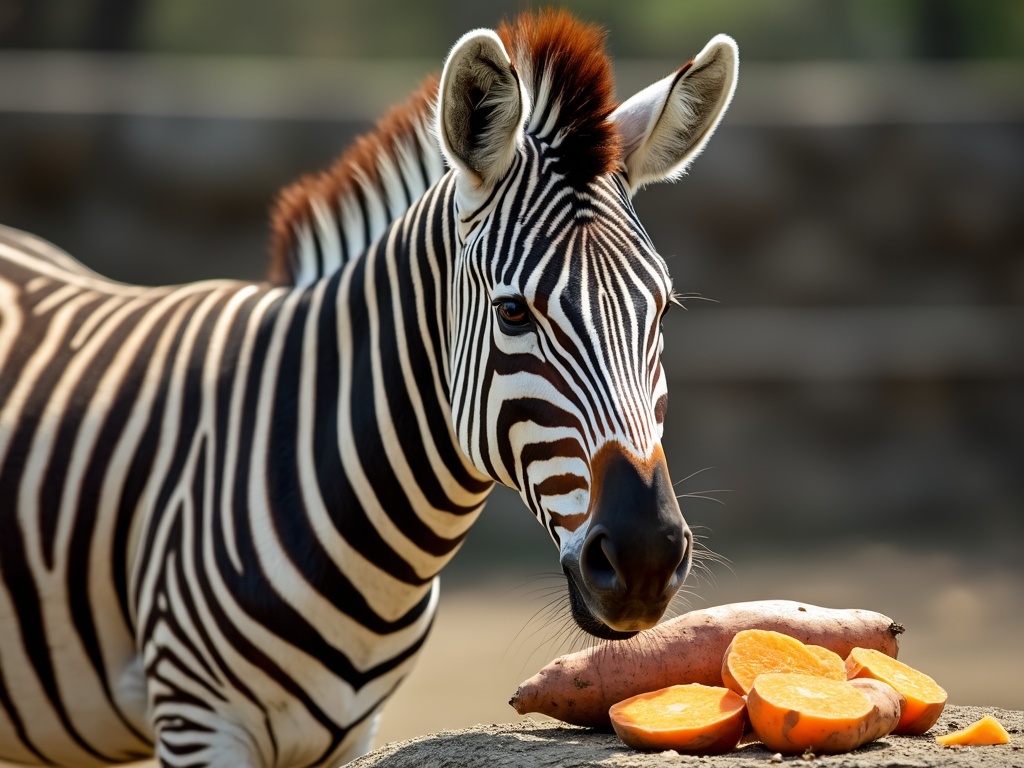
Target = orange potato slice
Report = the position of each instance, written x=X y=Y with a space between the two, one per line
x=792 y=712
x=695 y=718
x=753 y=652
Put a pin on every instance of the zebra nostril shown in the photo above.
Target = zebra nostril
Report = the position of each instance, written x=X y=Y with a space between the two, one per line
x=598 y=566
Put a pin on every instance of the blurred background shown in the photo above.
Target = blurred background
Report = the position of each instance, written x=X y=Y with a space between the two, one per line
x=846 y=415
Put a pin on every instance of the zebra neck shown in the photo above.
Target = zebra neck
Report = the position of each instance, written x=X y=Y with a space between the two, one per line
x=399 y=493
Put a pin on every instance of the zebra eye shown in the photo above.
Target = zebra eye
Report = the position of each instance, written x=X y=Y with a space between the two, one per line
x=513 y=316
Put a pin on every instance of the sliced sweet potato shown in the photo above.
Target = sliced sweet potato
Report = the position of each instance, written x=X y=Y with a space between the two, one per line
x=695 y=718
x=579 y=687
x=925 y=699
x=981 y=733
x=753 y=652
x=791 y=713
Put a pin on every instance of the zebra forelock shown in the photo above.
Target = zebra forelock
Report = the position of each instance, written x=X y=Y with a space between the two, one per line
x=568 y=76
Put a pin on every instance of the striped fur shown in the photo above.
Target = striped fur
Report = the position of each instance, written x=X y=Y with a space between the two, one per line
x=204 y=447
x=224 y=505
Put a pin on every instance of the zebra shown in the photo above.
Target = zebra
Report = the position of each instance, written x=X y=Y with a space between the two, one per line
x=224 y=505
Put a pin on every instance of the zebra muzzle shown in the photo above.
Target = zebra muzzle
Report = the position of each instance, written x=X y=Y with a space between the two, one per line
x=637 y=548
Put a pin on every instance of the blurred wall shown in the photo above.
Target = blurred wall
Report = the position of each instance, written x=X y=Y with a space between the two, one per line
x=856 y=222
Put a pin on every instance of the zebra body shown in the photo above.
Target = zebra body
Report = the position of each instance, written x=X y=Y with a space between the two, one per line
x=204 y=364
x=224 y=505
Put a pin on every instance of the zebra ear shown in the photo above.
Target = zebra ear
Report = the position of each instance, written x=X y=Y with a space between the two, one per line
x=481 y=107
x=666 y=125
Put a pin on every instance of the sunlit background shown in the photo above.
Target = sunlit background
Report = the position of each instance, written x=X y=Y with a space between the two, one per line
x=846 y=412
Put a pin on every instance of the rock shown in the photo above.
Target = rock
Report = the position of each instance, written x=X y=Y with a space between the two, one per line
x=548 y=744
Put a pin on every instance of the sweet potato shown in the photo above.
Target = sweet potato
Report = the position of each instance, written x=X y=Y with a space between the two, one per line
x=888 y=704
x=753 y=652
x=694 y=718
x=980 y=733
x=580 y=687
x=792 y=712
x=925 y=700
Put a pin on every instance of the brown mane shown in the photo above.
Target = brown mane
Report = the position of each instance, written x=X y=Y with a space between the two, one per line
x=570 y=54
x=550 y=46
x=356 y=168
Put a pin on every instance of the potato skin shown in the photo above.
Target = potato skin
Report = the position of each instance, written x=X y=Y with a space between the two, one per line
x=580 y=687
x=920 y=720
x=917 y=715
x=790 y=733
x=709 y=744
x=888 y=703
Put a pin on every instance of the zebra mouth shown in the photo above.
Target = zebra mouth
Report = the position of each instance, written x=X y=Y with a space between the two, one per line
x=586 y=620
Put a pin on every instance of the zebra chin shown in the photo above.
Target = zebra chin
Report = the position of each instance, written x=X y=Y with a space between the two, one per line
x=630 y=559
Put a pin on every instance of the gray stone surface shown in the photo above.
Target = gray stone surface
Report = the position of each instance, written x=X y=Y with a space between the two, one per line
x=552 y=745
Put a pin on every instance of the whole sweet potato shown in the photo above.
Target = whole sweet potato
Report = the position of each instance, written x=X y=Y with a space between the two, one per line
x=580 y=687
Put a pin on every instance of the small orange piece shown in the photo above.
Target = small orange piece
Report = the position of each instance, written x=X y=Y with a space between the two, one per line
x=701 y=719
x=791 y=713
x=925 y=698
x=982 y=733
x=753 y=652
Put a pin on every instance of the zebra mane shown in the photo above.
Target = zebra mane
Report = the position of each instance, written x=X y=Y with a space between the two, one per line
x=568 y=76
x=329 y=217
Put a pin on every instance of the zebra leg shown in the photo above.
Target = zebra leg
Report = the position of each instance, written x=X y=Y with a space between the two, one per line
x=205 y=739
x=197 y=718
x=209 y=740
x=358 y=741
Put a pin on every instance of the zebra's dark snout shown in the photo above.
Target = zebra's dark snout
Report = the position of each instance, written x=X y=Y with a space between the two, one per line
x=637 y=549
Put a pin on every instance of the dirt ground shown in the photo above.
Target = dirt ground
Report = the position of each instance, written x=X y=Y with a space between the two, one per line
x=964 y=620
x=553 y=745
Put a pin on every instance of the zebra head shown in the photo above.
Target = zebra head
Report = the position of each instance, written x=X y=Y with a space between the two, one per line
x=557 y=388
